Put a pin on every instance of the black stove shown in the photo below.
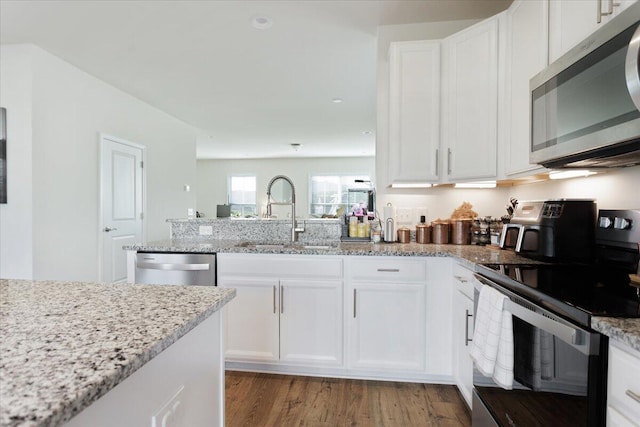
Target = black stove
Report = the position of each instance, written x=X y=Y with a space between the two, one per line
x=574 y=291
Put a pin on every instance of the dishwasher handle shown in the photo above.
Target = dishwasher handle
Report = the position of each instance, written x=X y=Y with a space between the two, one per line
x=172 y=267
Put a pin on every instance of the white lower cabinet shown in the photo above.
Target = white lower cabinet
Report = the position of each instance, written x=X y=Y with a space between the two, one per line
x=311 y=322
x=252 y=324
x=623 y=390
x=355 y=316
x=292 y=317
x=387 y=326
x=463 y=330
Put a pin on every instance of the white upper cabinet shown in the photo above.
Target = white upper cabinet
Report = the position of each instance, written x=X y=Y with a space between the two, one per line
x=526 y=55
x=470 y=102
x=414 y=111
x=571 y=21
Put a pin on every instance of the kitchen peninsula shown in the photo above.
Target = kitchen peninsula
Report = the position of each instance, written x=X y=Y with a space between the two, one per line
x=110 y=354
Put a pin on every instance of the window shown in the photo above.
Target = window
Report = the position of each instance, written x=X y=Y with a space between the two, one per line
x=242 y=195
x=331 y=192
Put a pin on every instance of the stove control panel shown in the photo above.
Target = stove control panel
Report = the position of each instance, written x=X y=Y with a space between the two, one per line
x=619 y=228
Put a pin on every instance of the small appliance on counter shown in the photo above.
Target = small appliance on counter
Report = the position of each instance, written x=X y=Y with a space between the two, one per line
x=389 y=223
x=561 y=229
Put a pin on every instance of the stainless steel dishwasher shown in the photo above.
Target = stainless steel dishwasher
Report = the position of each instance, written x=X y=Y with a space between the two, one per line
x=175 y=269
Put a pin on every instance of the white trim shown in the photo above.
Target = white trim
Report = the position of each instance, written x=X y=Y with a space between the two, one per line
x=101 y=138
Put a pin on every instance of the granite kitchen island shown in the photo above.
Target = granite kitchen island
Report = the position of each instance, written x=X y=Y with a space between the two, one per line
x=110 y=354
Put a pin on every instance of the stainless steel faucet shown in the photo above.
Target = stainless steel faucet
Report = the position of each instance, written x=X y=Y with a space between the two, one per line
x=294 y=230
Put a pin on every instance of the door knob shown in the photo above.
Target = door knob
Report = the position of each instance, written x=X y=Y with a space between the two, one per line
x=108 y=229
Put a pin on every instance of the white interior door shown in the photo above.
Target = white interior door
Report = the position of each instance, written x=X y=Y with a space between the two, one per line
x=122 y=202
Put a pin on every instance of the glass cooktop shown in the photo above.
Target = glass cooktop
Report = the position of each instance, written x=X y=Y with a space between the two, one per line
x=576 y=292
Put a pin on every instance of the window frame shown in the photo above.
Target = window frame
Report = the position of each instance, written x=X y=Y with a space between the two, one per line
x=253 y=207
x=343 y=190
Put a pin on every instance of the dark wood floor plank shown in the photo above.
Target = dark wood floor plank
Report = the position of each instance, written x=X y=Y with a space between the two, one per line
x=281 y=400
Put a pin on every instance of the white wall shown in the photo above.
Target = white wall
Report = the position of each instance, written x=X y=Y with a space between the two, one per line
x=16 y=234
x=70 y=109
x=613 y=189
x=212 y=177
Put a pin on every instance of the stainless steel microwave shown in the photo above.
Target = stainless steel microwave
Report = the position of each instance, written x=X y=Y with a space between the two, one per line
x=585 y=106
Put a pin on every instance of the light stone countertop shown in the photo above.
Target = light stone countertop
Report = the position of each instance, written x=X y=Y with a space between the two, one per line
x=625 y=330
x=65 y=344
x=468 y=254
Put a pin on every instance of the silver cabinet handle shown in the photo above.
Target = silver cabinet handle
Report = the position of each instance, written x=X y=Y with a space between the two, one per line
x=389 y=270
x=631 y=71
x=108 y=229
x=467 y=340
x=274 y=299
x=281 y=299
x=600 y=13
x=174 y=267
x=448 y=161
x=354 y=303
x=437 y=156
x=634 y=396
x=461 y=279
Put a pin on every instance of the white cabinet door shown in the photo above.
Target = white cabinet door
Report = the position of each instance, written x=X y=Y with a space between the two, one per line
x=470 y=102
x=623 y=385
x=414 y=111
x=570 y=22
x=463 y=332
x=311 y=322
x=252 y=318
x=526 y=55
x=439 y=334
x=387 y=326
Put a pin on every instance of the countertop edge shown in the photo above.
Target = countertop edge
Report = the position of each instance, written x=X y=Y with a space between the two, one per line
x=92 y=394
x=626 y=331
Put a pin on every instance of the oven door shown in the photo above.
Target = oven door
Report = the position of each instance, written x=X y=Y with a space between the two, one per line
x=559 y=372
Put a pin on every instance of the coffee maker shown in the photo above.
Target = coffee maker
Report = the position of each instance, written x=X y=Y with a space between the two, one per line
x=561 y=229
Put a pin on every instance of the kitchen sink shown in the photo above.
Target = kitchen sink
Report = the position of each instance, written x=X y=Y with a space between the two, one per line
x=299 y=246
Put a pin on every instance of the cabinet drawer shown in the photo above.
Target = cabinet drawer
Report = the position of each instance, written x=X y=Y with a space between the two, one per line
x=624 y=381
x=389 y=269
x=462 y=279
x=247 y=265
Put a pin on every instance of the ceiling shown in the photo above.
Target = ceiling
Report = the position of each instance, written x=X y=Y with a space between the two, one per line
x=251 y=93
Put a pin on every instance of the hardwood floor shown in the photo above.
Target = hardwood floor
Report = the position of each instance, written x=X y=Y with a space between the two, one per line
x=254 y=399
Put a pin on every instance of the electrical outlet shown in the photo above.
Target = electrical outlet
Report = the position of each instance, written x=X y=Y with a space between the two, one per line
x=170 y=414
x=206 y=230
x=403 y=216
x=190 y=212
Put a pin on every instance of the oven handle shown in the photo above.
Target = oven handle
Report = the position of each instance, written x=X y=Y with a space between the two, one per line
x=578 y=338
x=172 y=267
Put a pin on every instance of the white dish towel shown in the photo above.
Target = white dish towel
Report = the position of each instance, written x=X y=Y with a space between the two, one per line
x=492 y=345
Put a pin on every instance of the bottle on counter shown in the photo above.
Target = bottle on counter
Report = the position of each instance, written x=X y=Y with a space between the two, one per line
x=353 y=226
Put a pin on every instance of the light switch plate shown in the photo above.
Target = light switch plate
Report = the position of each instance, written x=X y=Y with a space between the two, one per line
x=403 y=216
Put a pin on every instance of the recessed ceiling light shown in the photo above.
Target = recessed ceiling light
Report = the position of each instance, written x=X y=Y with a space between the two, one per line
x=261 y=22
x=336 y=100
